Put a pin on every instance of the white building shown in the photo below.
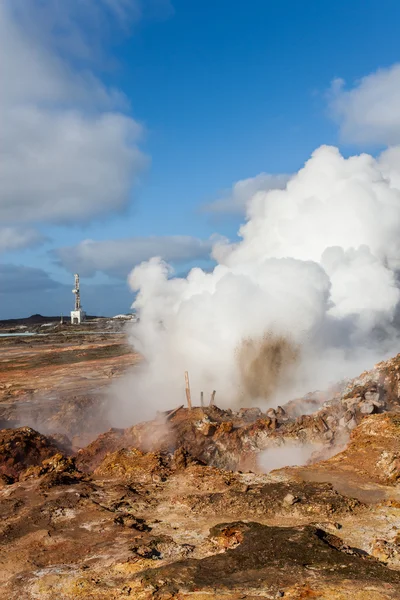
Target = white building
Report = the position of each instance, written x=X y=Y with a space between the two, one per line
x=77 y=316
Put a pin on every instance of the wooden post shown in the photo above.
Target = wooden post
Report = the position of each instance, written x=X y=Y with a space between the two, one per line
x=201 y=399
x=212 y=398
x=171 y=413
x=188 y=398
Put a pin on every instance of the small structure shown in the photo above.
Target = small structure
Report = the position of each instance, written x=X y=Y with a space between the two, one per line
x=126 y=317
x=77 y=315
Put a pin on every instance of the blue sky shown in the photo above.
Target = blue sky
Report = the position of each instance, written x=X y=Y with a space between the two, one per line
x=142 y=115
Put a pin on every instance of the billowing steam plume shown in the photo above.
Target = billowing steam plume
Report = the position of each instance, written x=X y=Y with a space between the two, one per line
x=308 y=296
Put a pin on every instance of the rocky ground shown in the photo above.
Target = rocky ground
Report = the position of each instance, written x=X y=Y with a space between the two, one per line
x=54 y=380
x=183 y=507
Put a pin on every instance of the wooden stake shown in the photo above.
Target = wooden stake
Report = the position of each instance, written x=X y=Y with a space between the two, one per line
x=201 y=399
x=173 y=412
x=188 y=397
x=212 y=398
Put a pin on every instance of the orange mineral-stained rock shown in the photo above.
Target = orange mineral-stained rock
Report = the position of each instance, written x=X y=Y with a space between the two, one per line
x=179 y=507
x=132 y=464
x=22 y=448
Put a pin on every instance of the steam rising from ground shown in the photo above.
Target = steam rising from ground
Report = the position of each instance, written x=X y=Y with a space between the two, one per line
x=285 y=456
x=314 y=276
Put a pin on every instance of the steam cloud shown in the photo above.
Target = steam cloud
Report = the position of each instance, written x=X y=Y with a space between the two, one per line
x=285 y=456
x=316 y=268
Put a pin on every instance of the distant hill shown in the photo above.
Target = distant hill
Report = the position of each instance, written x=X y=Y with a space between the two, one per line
x=38 y=319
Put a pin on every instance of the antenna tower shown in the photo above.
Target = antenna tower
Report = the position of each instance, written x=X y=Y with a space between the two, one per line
x=77 y=293
x=77 y=315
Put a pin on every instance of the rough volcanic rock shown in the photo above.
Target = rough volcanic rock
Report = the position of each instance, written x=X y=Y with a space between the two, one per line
x=155 y=435
x=177 y=508
x=373 y=452
x=22 y=448
x=269 y=559
x=232 y=440
x=132 y=464
x=115 y=439
x=130 y=531
x=57 y=470
x=98 y=538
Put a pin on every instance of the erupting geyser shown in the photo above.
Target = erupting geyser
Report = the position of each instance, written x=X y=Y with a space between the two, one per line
x=316 y=268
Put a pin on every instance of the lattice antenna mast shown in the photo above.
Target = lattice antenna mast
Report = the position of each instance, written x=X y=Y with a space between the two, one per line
x=77 y=293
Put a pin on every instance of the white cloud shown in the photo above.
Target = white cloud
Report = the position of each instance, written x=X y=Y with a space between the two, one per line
x=118 y=257
x=133 y=10
x=368 y=112
x=237 y=198
x=80 y=27
x=15 y=238
x=67 y=152
x=65 y=168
